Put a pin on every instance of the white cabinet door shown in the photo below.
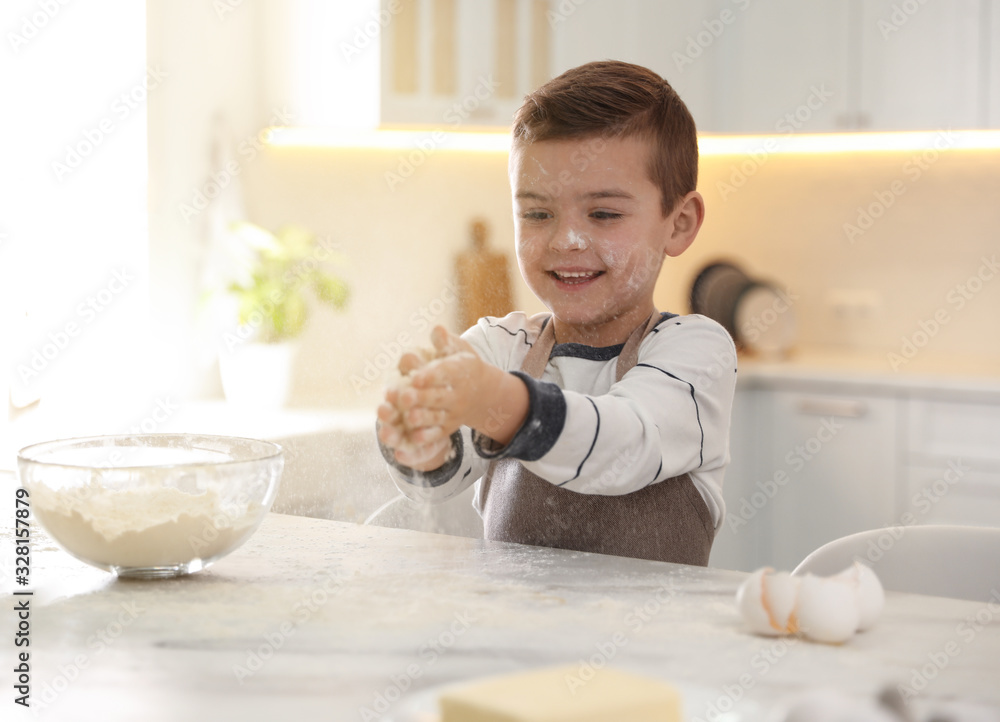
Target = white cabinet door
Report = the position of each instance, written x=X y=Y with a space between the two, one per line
x=832 y=463
x=785 y=67
x=991 y=80
x=922 y=64
x=743 y=541
x=953 y=462
x=957 y=492
x=454 y=64
x=676 y=38
x=941 y=430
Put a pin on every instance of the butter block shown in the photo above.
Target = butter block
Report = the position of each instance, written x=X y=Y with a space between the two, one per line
x=560 y=694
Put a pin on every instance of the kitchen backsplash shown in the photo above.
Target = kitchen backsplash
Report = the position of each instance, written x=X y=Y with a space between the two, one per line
x=891 y=254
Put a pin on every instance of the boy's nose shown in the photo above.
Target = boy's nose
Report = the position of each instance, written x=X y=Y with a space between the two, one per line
x=567 y=239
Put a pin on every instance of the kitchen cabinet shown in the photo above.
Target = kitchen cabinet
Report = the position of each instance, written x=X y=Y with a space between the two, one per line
x=991 y=79
x=674 y=38
x=923 y=64
x=837 y=452
x=815 y=459
x=869 y=65
x=743 y=541
x=951 y=472
x=773 y=67
x=453 y=64
x=807 y=467
x=784 y=66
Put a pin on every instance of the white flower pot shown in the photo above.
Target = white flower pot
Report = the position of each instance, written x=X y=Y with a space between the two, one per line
x=257 y=374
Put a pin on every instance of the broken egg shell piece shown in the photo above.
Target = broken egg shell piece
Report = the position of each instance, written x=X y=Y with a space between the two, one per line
x=871 y=595
x=766 y=601
x=827 y=609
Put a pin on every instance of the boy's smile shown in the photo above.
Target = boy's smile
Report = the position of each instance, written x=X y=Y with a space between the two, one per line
x=591 y=235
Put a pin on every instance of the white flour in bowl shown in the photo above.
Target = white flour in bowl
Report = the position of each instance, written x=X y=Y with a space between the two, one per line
x=141 y=527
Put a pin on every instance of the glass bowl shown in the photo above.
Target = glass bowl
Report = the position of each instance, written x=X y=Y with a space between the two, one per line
x=151 y=505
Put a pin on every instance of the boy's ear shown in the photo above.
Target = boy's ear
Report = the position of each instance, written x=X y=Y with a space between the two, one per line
x=687 y=219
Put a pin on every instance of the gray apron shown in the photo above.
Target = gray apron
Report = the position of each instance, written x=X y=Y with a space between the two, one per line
x=666 y=521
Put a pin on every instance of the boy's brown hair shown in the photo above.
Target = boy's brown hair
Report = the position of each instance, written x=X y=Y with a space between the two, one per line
x=612 y=99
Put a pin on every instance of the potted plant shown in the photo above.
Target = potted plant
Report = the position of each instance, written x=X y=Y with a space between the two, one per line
x=281 y=274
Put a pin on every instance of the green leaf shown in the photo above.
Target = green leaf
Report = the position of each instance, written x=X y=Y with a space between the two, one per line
x=330 y=290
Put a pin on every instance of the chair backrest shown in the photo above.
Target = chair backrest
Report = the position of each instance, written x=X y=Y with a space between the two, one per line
x=941 y=560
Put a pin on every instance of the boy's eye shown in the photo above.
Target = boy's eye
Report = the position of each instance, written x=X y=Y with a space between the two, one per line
x=535 y=215
x=606 y=215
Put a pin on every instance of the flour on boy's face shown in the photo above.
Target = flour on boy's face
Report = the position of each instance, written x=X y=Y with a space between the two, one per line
x=590 y=234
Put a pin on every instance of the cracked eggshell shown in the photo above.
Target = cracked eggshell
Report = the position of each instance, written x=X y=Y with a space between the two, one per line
x=766 y=601
x=827 y=609
x=871 y=595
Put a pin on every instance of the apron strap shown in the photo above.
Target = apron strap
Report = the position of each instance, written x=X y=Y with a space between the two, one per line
x=538 y=355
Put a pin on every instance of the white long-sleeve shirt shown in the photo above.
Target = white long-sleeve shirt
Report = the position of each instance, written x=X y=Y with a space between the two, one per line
x=669 y=415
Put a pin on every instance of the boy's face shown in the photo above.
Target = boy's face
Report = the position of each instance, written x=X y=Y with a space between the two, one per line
x=590 y=234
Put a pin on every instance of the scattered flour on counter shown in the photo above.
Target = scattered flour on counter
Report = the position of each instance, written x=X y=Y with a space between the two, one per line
x=141 y=527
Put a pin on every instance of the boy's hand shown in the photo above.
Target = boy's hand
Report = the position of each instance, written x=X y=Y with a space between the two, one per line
x=420 y=449
x=460 y=389
x=444 y=391
x=455 y=389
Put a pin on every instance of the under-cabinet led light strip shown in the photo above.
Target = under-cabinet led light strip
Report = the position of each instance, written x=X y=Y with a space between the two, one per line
x=495 y=142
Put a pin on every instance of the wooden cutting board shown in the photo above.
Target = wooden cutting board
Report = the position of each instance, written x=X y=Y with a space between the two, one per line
x=483 y=280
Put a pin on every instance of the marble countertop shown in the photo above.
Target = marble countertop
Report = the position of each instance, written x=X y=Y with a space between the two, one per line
x=322 y=620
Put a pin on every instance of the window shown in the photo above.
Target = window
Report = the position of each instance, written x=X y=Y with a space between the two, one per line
x=73 y=248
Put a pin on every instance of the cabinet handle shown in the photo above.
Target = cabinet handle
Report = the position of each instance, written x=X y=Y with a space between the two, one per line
x=833 y=407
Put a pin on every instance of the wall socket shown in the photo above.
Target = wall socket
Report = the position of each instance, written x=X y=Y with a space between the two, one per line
x=854 y=304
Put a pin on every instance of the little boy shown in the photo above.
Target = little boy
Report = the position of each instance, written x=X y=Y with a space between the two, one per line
x=597 y=427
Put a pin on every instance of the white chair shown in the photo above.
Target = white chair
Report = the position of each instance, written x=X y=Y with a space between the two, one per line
x=941 y=560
